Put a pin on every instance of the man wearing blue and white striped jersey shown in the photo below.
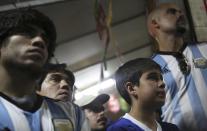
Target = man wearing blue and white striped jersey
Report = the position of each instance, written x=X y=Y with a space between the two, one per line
x=57 y=82
x=27 y=39
x=184 y=67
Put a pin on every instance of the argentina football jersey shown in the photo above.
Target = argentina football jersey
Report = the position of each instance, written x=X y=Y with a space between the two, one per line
x=185 y=76
x=44 y=118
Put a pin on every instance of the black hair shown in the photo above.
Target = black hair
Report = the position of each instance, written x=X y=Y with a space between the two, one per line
x=132 y=71
x=57 y=68
x=19 y=20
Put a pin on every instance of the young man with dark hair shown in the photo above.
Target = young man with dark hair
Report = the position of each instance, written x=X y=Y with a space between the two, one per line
x=27 y=41
x=184 y=67
x=140 y=83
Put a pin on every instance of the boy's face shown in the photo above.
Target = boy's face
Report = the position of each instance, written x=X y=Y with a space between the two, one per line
x=57 y=86
x=151 y=91
x=25 y=51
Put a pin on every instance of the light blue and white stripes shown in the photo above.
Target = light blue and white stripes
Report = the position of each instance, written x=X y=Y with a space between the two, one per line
x=18 y=120
x=186 y=95
x=65 y=113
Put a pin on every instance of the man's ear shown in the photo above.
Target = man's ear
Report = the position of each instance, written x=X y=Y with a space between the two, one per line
x=153 y=25
x=38 y=92
x=86 y=111
x=2 y=49
x=131 y=88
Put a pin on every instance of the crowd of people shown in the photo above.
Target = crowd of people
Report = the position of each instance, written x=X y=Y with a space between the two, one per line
x=36 y=95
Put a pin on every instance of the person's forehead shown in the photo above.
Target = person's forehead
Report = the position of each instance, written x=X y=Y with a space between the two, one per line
x=60 y=74
x=162 y=10
x=96 y=108
x=153 y=71
x=165 y=7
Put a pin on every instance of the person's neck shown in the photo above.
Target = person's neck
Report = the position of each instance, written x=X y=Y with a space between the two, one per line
x=146 y=116
x=17 y=86
x=169 y=43
x=19 y=89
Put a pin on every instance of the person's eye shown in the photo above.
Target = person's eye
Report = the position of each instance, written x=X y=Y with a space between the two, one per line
x=69 y=82
x=161 y=77
x=153 y=77
x=171 y=11
x=46 y=40
x=55 y=79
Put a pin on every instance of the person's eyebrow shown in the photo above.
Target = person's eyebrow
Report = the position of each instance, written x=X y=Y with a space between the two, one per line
x=172 y=10
x=55 y=76
x=154 y=75
x=61 y=77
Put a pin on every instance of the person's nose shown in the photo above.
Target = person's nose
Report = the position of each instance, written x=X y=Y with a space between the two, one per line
x=180 y=14
x=38 y=42
x=161 y=84
x=64 y=84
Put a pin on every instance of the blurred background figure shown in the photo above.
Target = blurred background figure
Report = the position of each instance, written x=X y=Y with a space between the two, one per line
x=93 y=105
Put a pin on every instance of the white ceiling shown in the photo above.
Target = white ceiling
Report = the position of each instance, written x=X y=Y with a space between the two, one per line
x=78 y=43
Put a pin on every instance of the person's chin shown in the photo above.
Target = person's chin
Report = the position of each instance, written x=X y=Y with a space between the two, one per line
x=181 y=29
x=102 y=124
x=36 y=61
x=30 y=66
x=100 y=127
x=160 y=103
x=34 y=65
x=62 y=97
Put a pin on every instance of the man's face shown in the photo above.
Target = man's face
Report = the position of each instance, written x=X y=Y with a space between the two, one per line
x=97 y=118
x=58 y=86
x=29 y=52
x=151 y=89
x=171 y=19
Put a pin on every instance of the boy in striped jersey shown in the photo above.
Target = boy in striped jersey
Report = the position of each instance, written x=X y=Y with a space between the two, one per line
x=27 y=39
x=184 y=67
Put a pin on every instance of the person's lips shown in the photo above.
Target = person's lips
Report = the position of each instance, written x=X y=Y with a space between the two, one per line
x=102 y=120
x=36 y=52
x=161 y=94
x=62 y=95
x=63 y=92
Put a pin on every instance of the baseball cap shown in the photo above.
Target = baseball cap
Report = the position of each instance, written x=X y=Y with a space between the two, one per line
x=98 y=99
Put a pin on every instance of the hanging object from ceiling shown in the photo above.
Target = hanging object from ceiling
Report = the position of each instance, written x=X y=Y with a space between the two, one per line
x=103 y=26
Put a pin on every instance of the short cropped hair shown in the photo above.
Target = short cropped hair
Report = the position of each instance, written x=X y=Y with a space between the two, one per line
x=132 y=71
x=21 y=20
x=50 y=68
